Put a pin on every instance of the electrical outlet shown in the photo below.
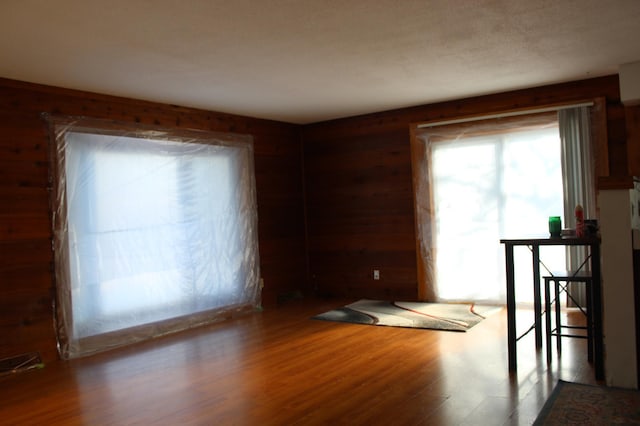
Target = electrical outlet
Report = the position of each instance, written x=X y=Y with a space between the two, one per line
x=376 y=274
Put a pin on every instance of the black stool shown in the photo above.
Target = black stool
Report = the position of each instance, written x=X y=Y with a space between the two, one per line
x=561 y=281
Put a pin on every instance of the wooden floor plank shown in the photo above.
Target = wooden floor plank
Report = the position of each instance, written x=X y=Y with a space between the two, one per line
x=279 y=367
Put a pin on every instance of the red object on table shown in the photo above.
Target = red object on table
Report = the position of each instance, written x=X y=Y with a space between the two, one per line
x=579 y=213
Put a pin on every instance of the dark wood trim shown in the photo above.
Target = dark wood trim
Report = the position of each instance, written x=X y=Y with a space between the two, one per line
x=632 y=120
x=615 y=182
x=599 y=137
x=636 y=292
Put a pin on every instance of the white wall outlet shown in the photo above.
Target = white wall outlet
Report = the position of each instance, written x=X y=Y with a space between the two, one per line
x=376 y=274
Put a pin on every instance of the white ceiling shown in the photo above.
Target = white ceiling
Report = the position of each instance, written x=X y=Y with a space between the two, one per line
x=303 y=61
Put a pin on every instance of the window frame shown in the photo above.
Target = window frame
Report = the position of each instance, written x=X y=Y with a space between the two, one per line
x=419 y=152
x=71 y=346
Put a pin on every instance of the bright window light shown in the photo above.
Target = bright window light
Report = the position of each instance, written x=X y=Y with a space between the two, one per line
x=153 y=230
x=485 y=188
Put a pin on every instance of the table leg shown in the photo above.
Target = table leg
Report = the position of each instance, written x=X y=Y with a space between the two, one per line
x=547 y=317
x=596 y=301
x=511 y=308
x=537 y=309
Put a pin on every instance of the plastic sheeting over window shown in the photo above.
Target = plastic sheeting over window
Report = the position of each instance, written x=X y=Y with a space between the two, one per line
x=477 y=182
x=154 y=231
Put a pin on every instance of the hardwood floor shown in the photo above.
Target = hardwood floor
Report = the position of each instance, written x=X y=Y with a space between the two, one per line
x=279 y=367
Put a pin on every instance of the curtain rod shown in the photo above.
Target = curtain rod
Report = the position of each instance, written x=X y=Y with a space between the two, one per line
x=504 y=115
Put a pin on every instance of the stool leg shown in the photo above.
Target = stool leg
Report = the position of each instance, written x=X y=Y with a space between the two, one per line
x=547 y=318
x=558 y=322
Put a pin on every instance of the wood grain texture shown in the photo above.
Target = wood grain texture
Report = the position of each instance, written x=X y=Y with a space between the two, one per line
x=26 y=286
x=280 y=367
x=331 y=208
x=633 y=139
x=359 y=185
x=360 y=215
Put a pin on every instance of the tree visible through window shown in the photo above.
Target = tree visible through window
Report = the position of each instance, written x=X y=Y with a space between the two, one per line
x=486 y=187
x=478 y=180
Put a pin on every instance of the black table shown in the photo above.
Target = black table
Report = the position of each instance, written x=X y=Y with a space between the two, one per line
x=534 y=244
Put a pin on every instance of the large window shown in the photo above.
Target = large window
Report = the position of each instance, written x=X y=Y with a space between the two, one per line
x=155 y=232
x=485 y=187
x=479 y=179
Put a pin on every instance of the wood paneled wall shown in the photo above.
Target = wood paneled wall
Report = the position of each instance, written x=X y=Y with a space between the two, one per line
x=633 y=139
x=359 y=193
x=360 y=215
x=353 y=184
x=26 y=286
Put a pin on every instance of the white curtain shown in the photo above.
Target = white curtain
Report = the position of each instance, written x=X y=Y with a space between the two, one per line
x=578 y=178
x=577 y=163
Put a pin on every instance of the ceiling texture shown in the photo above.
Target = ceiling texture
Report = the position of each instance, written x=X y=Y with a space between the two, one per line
x=304 y=61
